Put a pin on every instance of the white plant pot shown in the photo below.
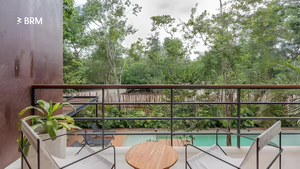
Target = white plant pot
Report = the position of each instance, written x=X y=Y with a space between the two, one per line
x=56 y=147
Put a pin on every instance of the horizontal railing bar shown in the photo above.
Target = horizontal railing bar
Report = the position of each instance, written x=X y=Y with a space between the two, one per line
x=181 y=133
x=270 y=118
x=270 y=102
x=122 y=103
x=137 y=103
x=162 y=133
x=77 y=103
x=122 y=118
x=140 y=133
x=205 y=103
x=80 y=96
x=61 y=86
x=210 y=118
x=184 y=118
x=116 y=103
x=155 y=118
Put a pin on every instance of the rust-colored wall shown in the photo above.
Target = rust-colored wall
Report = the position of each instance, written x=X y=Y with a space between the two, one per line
x=29 y=54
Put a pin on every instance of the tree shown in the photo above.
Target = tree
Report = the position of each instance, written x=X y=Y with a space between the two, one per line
x=68 y=11
x=220 y=33
x=73 y=69
x=174 y=50
x=78 y=40
x=110 y=19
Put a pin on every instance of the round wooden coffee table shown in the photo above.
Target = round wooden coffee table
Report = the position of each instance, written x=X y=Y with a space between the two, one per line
x=151 y=155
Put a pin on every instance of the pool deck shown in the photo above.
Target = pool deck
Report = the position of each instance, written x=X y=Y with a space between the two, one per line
x=119 y=139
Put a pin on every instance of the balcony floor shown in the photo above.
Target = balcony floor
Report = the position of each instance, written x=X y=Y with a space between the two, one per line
x=290 y=156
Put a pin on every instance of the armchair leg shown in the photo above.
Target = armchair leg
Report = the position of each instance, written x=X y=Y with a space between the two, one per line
x=185 y=156
x=280 y=150
x=21 y=150
x=115 y=157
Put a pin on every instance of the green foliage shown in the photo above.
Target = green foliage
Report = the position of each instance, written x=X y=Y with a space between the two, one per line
x=248 y=42
x=164 y=111
x=73 y=69
x=68 y=10
x=140 y=73
x=241 y=49
x=136 y=50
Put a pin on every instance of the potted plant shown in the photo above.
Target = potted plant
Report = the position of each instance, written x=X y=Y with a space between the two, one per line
x=49 y=126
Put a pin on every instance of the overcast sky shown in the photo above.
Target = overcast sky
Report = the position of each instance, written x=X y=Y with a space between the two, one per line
x=178 y=9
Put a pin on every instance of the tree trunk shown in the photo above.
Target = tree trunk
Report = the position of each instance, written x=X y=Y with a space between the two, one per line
x=228 y=140
x=226 y=108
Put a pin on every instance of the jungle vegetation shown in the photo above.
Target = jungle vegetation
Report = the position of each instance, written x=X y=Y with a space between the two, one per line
x=249 y=42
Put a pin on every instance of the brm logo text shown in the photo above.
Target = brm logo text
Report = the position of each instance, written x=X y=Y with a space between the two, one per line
x=30 y=21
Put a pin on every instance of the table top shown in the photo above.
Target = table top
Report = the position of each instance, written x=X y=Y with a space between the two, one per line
x=151 y=155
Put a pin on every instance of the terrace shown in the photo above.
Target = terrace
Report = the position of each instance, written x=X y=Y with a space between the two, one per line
x=240 y=42
x=172 y=135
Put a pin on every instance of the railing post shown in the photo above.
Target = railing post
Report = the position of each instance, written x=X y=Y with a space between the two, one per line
x=96 y=110
x=172 y=117
x=103 y=118
x=96 y=104
x=34 y=100
x=239 y=117
x=217 y=135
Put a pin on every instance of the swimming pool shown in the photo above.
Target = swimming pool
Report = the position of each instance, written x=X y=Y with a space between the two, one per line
x=209 y=140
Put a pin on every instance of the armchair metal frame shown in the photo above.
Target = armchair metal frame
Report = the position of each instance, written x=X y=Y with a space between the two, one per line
x=38 y=152
x=231 y=133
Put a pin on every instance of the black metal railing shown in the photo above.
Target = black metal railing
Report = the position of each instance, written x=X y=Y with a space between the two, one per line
x=171 y=103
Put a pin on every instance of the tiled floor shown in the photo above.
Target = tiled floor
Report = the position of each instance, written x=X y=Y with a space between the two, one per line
x=290 y=156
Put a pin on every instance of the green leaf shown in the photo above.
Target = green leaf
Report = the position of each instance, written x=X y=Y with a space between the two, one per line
x=70 y=119
x=25 y=149
x=50 y=108
x=65 y=125
x=37 y=119
x=64 y=103
x=58 y=117
x=74 y=127
x=29 y=107
x=55 y=106
x=45 y=105
x=26 y=118
x=50 y=112
x=55 y=123
x=34 y=127
x=52 y=128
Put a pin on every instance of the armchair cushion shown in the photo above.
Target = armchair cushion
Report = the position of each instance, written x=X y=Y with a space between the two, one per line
x=203 y=160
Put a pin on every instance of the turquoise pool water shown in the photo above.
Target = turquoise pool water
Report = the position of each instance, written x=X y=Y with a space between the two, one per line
x=209 y=140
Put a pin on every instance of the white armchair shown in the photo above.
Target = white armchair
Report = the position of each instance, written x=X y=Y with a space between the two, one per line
x=215 y=157
x=89 y=159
